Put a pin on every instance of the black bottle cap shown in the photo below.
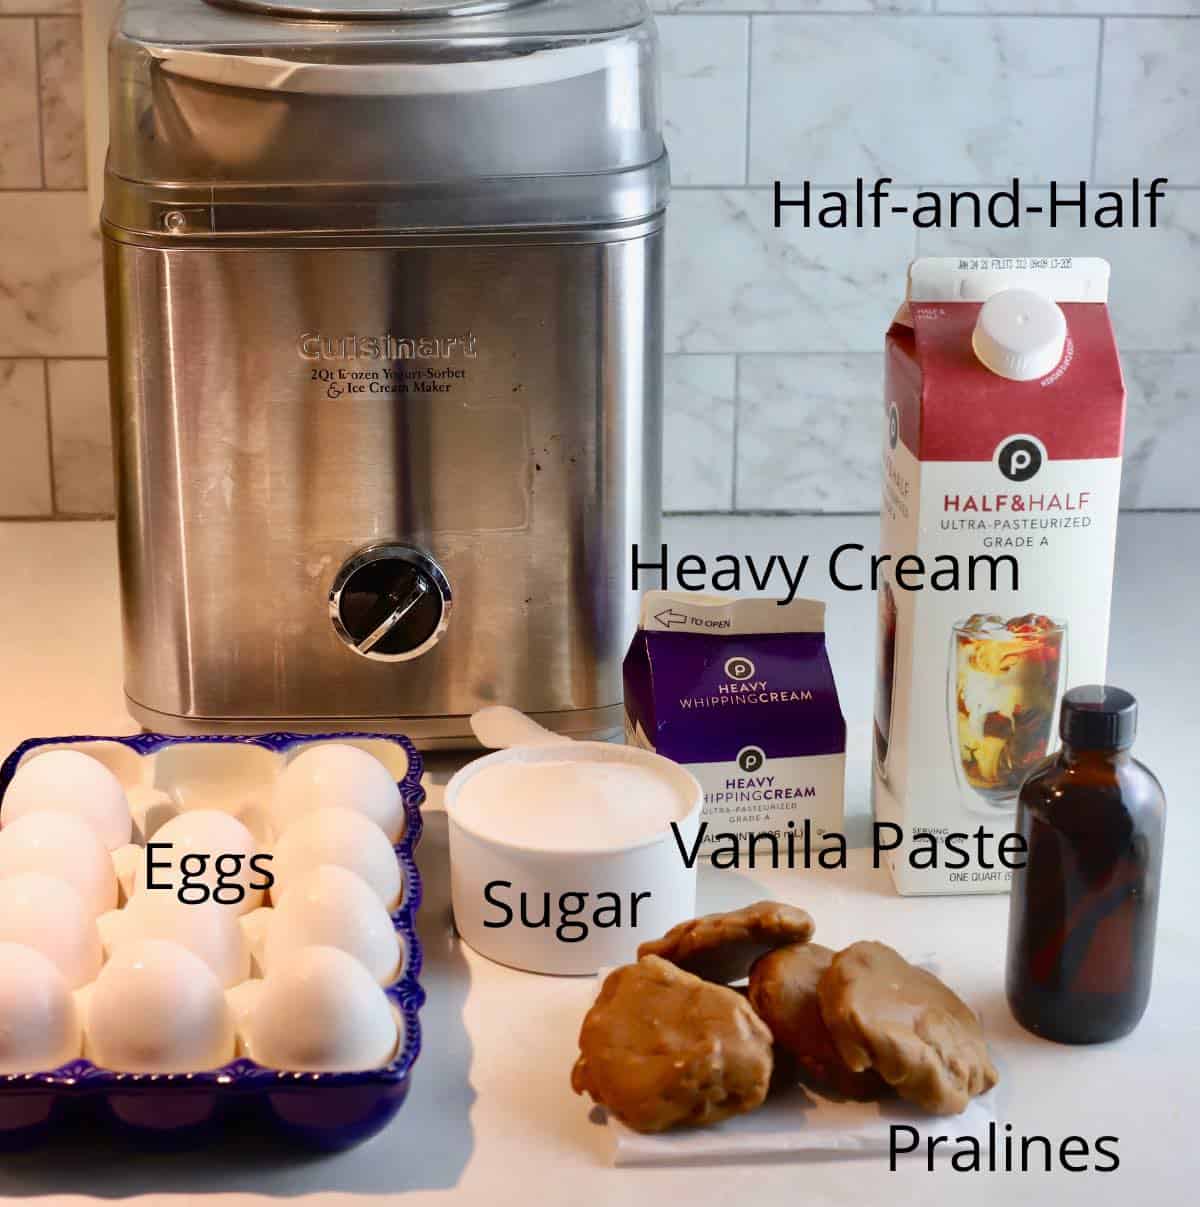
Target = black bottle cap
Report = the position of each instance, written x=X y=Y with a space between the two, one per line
x=1098 y=717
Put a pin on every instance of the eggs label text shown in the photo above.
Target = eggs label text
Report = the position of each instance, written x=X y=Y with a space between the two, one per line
x=196 y=886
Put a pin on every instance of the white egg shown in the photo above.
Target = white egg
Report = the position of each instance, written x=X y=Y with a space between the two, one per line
x=337 y=776
x=157 y=1008
x=48 y=915
x=68 y=781
x=60 y=845
x=330 y=906
x=342 y=837
x=207 y=930
x=220 y=837
x=40 y=1028
x=320 y=1011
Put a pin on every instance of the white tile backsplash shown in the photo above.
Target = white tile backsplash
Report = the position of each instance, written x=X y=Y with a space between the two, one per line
x=793 y=6
x=773 y=380
x=1162 y=429
x=1149 y=101
x=1084 y=7
x=735 y=283
x=698 y=433
x=20 y=154
x=704 y=81
x=923 y=100
x=810 y=431
x=1154 y=299
x=60 y=55
x=51 y=296
x=25 y=443
x=81 y=439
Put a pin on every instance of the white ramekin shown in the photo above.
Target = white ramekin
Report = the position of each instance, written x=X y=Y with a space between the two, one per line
x=653 y=865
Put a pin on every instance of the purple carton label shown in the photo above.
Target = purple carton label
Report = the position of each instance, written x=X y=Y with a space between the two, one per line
x=699 y=698
x=742 y=693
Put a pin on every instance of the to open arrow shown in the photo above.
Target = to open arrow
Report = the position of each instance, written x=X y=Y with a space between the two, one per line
x=670 y=617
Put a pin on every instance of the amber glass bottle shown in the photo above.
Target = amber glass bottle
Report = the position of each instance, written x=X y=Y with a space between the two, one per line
x=1082 y=914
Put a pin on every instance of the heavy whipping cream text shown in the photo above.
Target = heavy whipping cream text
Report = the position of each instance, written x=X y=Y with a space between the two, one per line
x=744 y=693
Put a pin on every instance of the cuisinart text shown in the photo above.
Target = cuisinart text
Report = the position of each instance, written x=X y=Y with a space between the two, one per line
x=313 y=345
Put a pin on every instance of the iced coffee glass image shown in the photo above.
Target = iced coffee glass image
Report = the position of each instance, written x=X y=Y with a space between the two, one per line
x=1006 y=677
x=885 y=675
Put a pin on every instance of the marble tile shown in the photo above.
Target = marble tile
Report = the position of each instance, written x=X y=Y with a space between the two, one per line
x=927 y=100
x=1162 y=430
x=1087 y=7
x=24 y=442
x=737 y=284
x=60 y=51
x=1149 y=104
x=698 y=433
x=704 y=66
x=1155 y=306
x=51 y=292
x=809 y=432
x=792 y=6
x=81 y=438
x=20 y=155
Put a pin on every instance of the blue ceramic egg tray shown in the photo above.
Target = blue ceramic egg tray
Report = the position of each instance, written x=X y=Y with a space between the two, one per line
x=318 y=1110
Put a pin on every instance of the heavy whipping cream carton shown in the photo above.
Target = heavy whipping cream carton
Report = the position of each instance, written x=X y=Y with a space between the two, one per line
x=740 y=691
x=1003 y=420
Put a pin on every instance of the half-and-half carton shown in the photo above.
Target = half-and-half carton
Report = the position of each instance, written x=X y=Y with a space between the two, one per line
x=1003 y=419
x=740 y=691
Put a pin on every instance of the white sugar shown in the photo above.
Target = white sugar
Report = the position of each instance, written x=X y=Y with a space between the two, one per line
x=569 y=804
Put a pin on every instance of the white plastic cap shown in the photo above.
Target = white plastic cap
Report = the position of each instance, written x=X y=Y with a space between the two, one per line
x=1020 y=334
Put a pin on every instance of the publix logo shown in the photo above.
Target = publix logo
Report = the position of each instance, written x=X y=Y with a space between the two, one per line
x=1018 y=458
x=751 y=758
x=739 y=668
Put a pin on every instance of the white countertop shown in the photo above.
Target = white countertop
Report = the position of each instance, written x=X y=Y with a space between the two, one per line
x=491 y=1118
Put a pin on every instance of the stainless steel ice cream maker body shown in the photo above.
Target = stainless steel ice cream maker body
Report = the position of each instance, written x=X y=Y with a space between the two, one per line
x=384 y=294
